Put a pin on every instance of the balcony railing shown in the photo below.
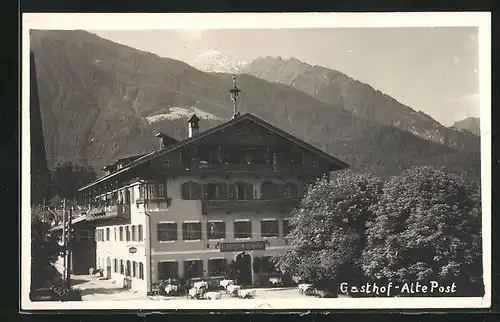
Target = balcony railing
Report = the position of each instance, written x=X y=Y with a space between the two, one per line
x=257 y=205
x=106 y=212
x=238 y=168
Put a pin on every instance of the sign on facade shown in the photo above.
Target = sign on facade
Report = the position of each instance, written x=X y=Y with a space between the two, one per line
x=236 y=247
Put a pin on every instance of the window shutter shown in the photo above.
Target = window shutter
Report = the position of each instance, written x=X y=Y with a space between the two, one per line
x=232 y=191
x=205 y=190
x=185 y=190
x=197 y=191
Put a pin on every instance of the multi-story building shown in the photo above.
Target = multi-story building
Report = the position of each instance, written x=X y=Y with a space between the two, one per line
x=191 y=208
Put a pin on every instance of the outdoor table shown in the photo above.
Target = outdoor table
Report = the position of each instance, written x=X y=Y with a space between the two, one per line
x=200 y=284
x=231 y=289
x=169 y=289
x=246 y=293
x=304 y=287
x=226 y=283
x=275 y=280
x=213 y=295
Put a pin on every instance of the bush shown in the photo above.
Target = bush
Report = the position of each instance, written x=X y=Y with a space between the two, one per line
x=66 y=293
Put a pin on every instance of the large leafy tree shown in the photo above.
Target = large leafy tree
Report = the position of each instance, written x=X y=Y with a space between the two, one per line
x=327 y=230
x=44 y=250
x=427 y=226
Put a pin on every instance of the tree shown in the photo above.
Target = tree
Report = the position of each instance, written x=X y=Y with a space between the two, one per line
x=44 y=252
x=327 y=230
x=68 y=177
x=427 y=226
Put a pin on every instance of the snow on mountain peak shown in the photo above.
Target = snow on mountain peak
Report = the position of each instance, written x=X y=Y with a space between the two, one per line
x=214 y=61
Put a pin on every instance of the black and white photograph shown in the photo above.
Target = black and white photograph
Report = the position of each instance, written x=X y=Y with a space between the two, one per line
x=256 y=161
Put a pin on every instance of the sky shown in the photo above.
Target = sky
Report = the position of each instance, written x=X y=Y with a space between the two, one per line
x=431 y=69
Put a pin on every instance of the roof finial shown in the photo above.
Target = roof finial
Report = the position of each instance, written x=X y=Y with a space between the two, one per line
x=234 y=96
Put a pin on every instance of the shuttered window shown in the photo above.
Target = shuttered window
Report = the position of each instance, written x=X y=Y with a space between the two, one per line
x=191 y=191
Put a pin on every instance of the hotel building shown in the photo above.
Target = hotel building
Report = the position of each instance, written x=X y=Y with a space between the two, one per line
x=192 y=207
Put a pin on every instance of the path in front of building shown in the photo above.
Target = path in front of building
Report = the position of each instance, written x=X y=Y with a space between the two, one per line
x=96 y=289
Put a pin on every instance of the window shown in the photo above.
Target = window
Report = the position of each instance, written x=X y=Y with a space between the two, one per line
x=191 y=231
x=291 y=190
x=155 y=191
x=314 y=163
x=142 y=190
x=134 y=269
x=128 y=269
x=121 y=266
x=244 y=191
x=216 y=230
x=127 y=233
x=193 y=268
x=269 y=228
x=217 y=267
x=114 y=233
x=191 y=191
x=167 y=231
x=168 y=270
x=141 y=271
x=127 y=196
x=296 y=157
x=286 y=227
x=100 y=234
x=133 y=233
x=216 y=191
x=107 y=234
x=115 y=265
x=140 y=236
x=242 y=229
x=271 y=191
x=121 y=233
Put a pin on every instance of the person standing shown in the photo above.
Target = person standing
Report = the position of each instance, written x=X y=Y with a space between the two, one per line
x=187 y=287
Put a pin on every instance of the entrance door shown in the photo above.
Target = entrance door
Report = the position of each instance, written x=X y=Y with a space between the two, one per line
x=244 y=267
x=108 y=268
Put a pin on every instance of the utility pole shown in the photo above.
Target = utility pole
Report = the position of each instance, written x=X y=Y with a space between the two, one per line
x=64 y=238
x=68 y=247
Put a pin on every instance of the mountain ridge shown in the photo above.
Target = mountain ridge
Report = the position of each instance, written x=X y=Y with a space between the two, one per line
x=469 y=124
x=361 y=99
x=96 y=96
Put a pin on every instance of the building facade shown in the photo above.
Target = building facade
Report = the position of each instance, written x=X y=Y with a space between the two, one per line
x=220 y=198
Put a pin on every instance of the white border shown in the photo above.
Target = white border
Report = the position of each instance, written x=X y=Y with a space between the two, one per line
x=264 y=21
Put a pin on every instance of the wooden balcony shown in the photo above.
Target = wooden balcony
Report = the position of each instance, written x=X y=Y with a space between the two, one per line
x=107 y=212
x=214 y=168
x=257 y=205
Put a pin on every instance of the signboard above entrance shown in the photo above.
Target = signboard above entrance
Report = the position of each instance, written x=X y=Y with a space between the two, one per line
x=237 y=247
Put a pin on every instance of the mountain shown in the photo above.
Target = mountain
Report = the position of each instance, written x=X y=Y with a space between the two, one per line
x=470 y=124
x=215 y=61
x=98 y=100
x=362 y=100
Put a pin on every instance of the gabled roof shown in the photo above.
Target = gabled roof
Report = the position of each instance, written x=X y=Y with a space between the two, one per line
x=201 y=135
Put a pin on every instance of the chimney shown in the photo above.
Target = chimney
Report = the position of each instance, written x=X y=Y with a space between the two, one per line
x=162 y=137
x=193 y=126
x=235 y=92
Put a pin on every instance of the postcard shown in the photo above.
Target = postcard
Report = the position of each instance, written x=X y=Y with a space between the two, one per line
x=256 y=161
